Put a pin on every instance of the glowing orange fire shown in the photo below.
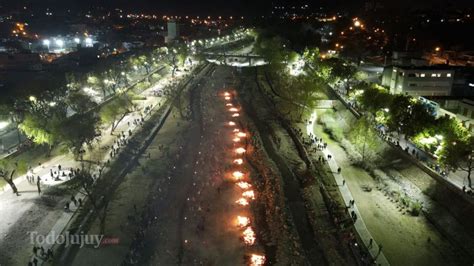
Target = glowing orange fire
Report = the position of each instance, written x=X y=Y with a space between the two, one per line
x=233 y=109
x=244 y=185
x=231 y=123
x=257 y=260
x=242 y=201
x=226 y=94
x=235 y=115
x=238 y=175
x=228 y=105
x=238 y=161
x=243 y=221
x=236 y=130
x=227 y=98
x=249 y=236
x=249 y=194
x=241 y=134
x=240 y=150
x=236 y=139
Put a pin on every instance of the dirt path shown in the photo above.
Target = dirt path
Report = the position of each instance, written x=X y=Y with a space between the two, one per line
x=404 y=238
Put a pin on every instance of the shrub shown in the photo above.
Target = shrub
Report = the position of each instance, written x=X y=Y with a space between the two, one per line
x=415 y=208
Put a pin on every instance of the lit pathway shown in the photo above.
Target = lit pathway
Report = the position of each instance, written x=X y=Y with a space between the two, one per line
x=347 y=196
x=15 y=207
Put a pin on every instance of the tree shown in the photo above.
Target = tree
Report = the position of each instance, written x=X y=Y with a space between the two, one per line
x=373 y=99
x=409 y=116
x=364 y=137
x=79 y=102
x=42 y=130
x=7 y=175
x=459 y=154
x=176 y=57
x=78 y=130
x=115 y=111
x=84 y=183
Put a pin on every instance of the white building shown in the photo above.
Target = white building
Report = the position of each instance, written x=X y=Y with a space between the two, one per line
x=419 y=80
x=173 y=31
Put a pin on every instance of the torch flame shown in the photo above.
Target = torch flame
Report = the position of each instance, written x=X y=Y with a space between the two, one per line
x=226 y=94
x=240 y=150
x=242 y=201
x=227 y=98
x=233 y=109
x=231 y=123
x=236 y=139
x=244 y=185
x=249 y=194
x=238 y=175
x=238 y=161
x=249 y=236
x=235 y=115
x=243 y=221
x=228 y=105
x=241 y=134
x=257 y=260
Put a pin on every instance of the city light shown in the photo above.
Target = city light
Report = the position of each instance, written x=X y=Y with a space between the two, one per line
x=59 y=43
x=46 y=42
x=77 y=40
x=88 y=42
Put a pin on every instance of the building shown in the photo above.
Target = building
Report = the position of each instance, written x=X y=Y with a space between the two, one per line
x=419 y=80
x=173 y=31
x=462 y=110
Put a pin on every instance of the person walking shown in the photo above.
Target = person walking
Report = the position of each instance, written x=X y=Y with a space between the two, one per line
x=73 y=199
x=38 y=185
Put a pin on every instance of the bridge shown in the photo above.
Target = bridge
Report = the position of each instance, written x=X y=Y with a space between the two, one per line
x=251 y=58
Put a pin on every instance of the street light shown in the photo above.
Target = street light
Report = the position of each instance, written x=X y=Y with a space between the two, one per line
x=46 y=43
x=32 y=98
x=77 y=40
x=88 y=42
x=60 y=43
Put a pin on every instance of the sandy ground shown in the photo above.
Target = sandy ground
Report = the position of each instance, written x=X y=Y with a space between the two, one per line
x=188 y=197
x=121 y=212
x=404 y=238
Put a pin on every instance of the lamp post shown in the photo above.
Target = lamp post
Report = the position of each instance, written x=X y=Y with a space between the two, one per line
x=46 y=43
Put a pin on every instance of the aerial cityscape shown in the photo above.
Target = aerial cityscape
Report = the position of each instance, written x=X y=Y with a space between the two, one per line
x=272 y=132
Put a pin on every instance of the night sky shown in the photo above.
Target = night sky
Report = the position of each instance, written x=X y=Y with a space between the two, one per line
x=225 y=7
